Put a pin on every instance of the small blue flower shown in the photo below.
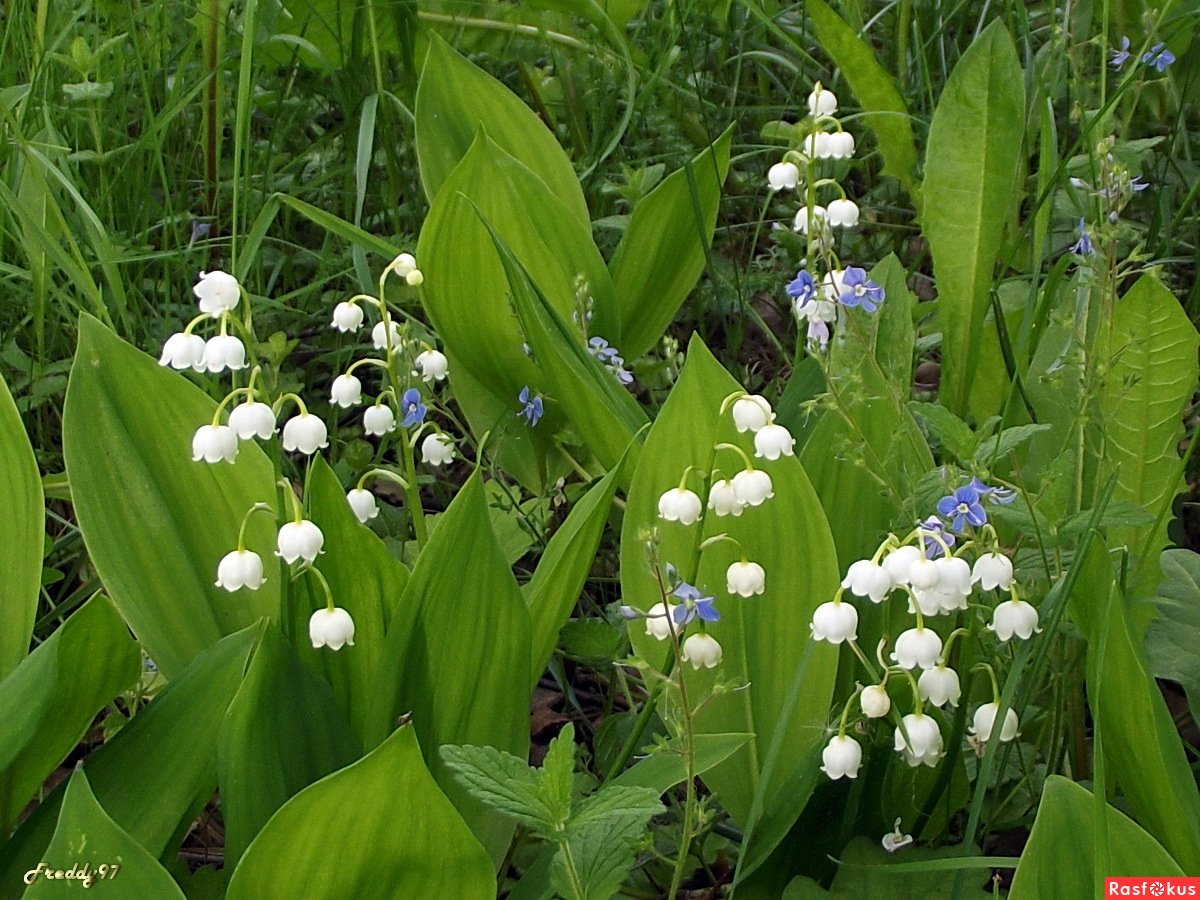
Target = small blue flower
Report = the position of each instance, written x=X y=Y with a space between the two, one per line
x=1083 y=246
x=1158 y=57
x=533 y=406
x=694 y=604
x=963 y=507
x=1121 y=55
x=801 y=288
x=934 y=526
x=858 y=290
x=1137 y=185
x=1000 y=495
x=412 y=407
x=599 y=348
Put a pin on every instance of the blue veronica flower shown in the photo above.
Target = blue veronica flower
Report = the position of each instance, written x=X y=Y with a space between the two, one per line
x=694 y=604
x=1121 y=55
x=858 y=290
x=1137 y=185
x=801 y=288
x=412 y=407
x=609 y=356
x=1000 y=495
x=1158 y=57
x=934 y=525
x=962 y=507
x=1083 y=246
x=533 y=408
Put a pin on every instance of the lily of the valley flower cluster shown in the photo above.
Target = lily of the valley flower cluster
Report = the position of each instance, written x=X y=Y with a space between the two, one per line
x=936 y=568
x=299 y=540
x=735 y=495
x=823 y=284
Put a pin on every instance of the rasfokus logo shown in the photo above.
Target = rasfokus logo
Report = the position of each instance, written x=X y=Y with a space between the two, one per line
x=1151 y=887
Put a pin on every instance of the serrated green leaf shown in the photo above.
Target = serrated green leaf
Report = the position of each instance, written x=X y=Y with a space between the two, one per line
x=597 y=854
x=22 y=539
x=339 y=837
x=505 y=783
x=616 y=802
x=558 y=774
x=127 y=432
x=971 y=164
x=86 y=840
x=954 y=434
x=49 y=701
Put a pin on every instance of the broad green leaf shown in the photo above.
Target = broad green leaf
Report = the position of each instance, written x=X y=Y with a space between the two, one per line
x=282 y=732
x=1065 y=830
x=1142 y=748
x=458 y=656
x=996 y=448
x=455 y=99
x=664 y=767
x=48 y=703
x=665 y=247
x=112 y=864
x=971 y=164
x=171 y=745
x=864 y=875
x=366 y=580
x=380 y=828
x=22 y=540
x=127 y=433
x=884 y=110
x=1154 y=370
x=1172 y=638
x=787 y=535
x=505 y=783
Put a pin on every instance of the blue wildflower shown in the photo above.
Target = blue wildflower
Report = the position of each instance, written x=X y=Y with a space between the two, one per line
x=858 y=290
x=533 y=407
x=963 y=507
x=412 y=407
x=694 y=604
x=1121 y=55
x=1137 y=185
x=1083 y=246
x=1158 y=57
x=609 y=356
x=934 y=526
x=801 y=288
x=1000 y=495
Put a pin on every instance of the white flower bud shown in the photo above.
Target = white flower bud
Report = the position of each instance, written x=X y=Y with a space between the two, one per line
x=924 y=743
x=841 y=757
x=993 y=570
x=745 y=579
x=213 y=443
x=431 y=365
x=867 y=579
x=437 y=449
x=218 y=292
x=822 y=103
x=874 y=701
x=224 y=352
x=414 y=278
x=299 y=540
x=723 y=498
x=240 y=569
x=939 y=686
x=346 y=391
x=347 y=317
x=183 y=351
x=753 y=486
x=403 y=264
x=679 y=505
x=306 y=433
x=835 y=622
x=917 y=647
x=332 y=628
x=702 y=651
x=379 y=419
x=1014 y=617
x=252 y=419
x=843 y=213
x=985 y=721
x=363 y=504
x=773 y=441
x=783 y=176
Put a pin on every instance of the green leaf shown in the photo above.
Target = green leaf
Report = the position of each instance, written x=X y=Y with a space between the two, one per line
x=616 y=802
x=1064 y=830
x=971 y=165
x=558 y=773
x=127 y=433
x=1142 y=747
x=665 y=247
x=788 y=536
x=109 y=862
x=48 y=703
x=21 y=549
x=664 y=767
x=955 y=435
x=1154 y=370
x=282 y=732
x=1172 y=638
x=340 y=837
x=884 y=110
x=458 y=658
x=868 y=871
x=170 y=745
x=505 y=783
x=597 y=852
x=455 y=99
x=997 y=448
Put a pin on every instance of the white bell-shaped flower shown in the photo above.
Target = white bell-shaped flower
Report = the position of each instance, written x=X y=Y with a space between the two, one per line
x=183 y=351
x=745 y=579
x=923 y=574
x=833 y=285
x=783 y=176
x=993 y=570
x=841 y=757
x=299 y=540
x=822 y=103
x=985 y=723
x=213 y=443
x=679 y=505
x=936 y=602
x=379 y=419
x=224 y=352
x=403 y=264
x=834 y=621
x=917 y=647
x=431 y=365
x=658 y=620
x=819 y=219
x=240 y=569
x=924 y=743
x=840 y=145
x=899 y=562
x=346 y=391
x=753 y=487
x=702 y=651
x=347 y=317
x=939 y=686
x=218 y=292
x=363 y=503
x=751 y=413
x=723 y=498
x=874 y=701
x=1014 y=617
x=305 y=433
x=332 y=628
x=254 y=419
x=816 y=146
x=379 y=336
x=437 y=449
x=773 y=441
x=843 y=213
x=865 y=578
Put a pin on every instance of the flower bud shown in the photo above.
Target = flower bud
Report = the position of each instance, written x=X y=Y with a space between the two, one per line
x=403 y=264
x=658 y=621
x=332 y=628
x=874 y=701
